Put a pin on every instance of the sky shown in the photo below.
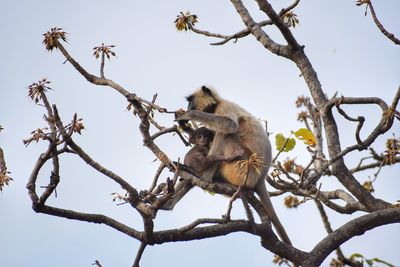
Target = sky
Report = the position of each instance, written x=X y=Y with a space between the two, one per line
x=348 y=52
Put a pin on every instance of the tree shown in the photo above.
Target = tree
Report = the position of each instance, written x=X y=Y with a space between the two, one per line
x=287 y=177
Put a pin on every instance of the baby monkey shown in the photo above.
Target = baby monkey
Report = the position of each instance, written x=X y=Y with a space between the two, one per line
x=198 y=159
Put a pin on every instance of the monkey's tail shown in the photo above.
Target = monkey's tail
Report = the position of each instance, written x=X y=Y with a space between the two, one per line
x=269 y=209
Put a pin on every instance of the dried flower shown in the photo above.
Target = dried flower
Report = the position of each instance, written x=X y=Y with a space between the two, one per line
x=104 y=49
x=37 y=89
x=185 y=21
x=336 y=263
x=290 y=19
x=4 y=179
x=302 y=116
x=368 y=186
x=291 y=202
x=51 y=38
x=300 y=101
x=76 y=125
x=244 y=166
x=392 y=150
x=36 y=136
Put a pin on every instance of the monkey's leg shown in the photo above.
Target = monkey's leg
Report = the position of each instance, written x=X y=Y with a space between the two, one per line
x=181 y=190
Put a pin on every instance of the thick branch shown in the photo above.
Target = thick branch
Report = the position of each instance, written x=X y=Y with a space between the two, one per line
x=87 y=217
x=351 y=229
x=266 y=7
x=256 y=30
x=329 y=230
x=384 y=125
x=55 y=173
x=339 y=168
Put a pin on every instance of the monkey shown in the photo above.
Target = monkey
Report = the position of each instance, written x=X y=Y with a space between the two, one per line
x=199 y=160
x=198 y=157
x=234 y=128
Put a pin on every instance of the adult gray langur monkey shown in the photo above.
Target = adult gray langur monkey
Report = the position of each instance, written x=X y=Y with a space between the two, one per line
x=234 y=128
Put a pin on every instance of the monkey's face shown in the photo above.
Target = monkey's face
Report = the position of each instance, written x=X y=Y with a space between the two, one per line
x=202 y=100
x=202 y=136
x=202 y=139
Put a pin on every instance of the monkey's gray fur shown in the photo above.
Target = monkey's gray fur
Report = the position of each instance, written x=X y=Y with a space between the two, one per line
x=234 y=128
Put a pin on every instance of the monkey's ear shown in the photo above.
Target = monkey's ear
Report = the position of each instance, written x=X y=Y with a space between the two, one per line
x=192 y=138
x=206 y=90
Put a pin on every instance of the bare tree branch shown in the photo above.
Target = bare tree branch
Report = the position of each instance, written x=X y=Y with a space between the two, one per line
x=329 y=230
x=266 y=7
x=378 y=23
x=349 y=230
x=242 y=33
x=256 y=30
x=139 y=254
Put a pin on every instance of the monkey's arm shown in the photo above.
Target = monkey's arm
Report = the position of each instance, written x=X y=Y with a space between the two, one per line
x=215 y=158
x=214 y=122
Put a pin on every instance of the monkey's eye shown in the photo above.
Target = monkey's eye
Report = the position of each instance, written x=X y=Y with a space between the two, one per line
x=199 y=136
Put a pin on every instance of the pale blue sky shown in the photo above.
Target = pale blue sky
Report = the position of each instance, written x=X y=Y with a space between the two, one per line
x=349 y=53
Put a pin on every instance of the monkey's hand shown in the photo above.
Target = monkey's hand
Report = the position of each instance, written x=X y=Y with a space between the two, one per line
x=182 y=115
x=184 y=124
x=179 y=113
x=239 y=152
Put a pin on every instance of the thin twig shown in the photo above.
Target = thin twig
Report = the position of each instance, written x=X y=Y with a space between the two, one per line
x=359 y=119
x=380 y=26
x=156 y=176
x=102 y=64
x=242 y=33
x=139 y=254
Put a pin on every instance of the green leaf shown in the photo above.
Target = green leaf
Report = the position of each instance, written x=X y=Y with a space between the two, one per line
x=284 y=144
x=211 y=193
x=356 y=255
x=306 y=135
x=381 y=261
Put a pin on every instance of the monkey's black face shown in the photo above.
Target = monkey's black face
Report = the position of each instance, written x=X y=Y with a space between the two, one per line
x=191 y=105
x=202 y=100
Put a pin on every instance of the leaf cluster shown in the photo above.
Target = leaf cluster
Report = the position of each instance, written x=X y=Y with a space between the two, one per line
x=284 y=144
x=244 y=166
x=4 y=179
x=290 y=19
x=291 y=202
x=105 y=50
x=37 y=89
x=51 y=38
x=185 y=21
x=392 y=150
x=371 y=262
